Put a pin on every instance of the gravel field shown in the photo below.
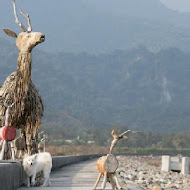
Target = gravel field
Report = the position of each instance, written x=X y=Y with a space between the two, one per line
x=144 y=173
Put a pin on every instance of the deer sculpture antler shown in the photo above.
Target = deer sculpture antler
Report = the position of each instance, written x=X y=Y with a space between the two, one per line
x=23 y=28
x=117 y=137
x=19 y=22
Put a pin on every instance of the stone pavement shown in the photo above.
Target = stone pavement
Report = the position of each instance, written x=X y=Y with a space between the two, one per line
x=81 y=176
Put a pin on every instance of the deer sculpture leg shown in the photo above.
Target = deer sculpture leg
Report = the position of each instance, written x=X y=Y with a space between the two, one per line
x=117 y=181
x=98 y=180
x=7 y=152
x=28 y=143
x=21 y=153
x=104 y=180
x=111 y=180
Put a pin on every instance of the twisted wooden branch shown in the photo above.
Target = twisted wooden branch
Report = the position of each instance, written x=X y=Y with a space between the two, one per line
x=19 y=22
x=16 y=17
x=28 y=20
x=117 y=137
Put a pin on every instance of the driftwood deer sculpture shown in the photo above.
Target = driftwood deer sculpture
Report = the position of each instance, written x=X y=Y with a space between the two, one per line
x=19 y=88
x=107 y=165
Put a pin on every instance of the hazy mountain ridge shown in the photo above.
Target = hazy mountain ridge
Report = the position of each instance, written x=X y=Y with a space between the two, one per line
x=136 y=87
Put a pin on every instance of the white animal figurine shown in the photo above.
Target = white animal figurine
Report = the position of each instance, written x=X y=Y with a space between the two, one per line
x=41 y=162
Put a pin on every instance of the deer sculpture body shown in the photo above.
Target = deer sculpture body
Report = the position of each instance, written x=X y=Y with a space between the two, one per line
x=18 y=87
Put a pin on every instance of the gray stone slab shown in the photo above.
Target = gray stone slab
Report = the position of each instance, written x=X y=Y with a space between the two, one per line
x=11 y=175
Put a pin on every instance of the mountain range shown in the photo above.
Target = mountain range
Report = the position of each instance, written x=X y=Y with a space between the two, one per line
x=135 y=88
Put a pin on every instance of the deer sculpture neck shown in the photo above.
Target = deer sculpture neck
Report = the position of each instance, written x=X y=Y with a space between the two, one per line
x=25 y=42
x=24 y=61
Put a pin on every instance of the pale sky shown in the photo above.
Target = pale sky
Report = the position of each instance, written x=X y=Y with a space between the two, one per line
x=180 y=5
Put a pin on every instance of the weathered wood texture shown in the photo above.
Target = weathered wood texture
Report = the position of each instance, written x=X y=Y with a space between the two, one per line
x=27 y=111
x=107 y=163
x=18 y=88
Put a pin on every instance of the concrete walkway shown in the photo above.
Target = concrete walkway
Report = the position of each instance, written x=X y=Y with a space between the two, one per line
x=81 y=176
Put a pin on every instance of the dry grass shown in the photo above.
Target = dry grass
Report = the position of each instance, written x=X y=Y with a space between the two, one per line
x=154 y=162
x=75 y=150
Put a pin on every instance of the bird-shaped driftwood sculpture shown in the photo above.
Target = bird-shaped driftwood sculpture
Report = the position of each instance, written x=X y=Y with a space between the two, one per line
x=27 y=111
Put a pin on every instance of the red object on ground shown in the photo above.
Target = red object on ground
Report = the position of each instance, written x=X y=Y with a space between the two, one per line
x=7 y=133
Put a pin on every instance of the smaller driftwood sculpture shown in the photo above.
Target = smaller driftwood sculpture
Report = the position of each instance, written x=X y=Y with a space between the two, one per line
x=42 y=138
x=107 y=165
x=7 y=135
x=20 y=146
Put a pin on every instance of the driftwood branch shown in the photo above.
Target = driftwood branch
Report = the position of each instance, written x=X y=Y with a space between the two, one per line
x=117 y=137
x=16 y=17
x=129 y=131
x=28 y=20
x=8 y=105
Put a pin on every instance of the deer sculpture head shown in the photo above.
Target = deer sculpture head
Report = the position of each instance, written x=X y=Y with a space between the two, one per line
x=26 y=40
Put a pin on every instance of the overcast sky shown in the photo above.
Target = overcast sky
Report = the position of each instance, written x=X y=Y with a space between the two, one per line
x=181 y=5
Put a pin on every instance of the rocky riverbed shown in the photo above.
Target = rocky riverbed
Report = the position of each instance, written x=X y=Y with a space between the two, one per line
x=144 y=173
